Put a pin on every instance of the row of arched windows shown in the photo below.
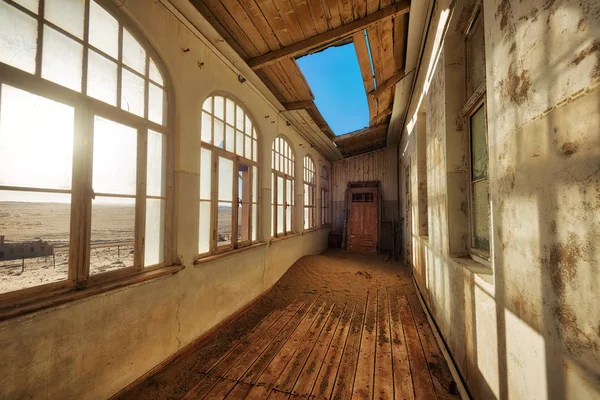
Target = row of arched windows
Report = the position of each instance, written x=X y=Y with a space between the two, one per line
x=85 y=142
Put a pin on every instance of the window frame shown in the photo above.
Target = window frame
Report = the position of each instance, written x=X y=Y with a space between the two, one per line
x=86 y=108
x=309 y=182
x=253 y=167
x=277 y=171
x=473 y=104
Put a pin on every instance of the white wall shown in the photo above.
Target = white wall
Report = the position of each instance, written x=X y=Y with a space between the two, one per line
x=94 y=347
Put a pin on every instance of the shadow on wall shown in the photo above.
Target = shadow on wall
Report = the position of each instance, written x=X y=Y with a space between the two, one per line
x=534 y=332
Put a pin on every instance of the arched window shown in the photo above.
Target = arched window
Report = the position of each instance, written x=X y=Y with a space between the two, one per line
x=309 y=192
x=325 y=218
x=83 y=146
x=282 y=187
x=228 y=177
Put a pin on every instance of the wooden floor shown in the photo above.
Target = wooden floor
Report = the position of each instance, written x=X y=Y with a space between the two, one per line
x=382 y=349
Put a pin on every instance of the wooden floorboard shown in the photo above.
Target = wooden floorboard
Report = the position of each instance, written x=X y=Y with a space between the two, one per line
x=380 y=349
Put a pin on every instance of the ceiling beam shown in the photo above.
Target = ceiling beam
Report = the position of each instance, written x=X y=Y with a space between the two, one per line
x=304 y=46
x=397 y=77
x=298 y=105
x=361 y=132
x=381 y=115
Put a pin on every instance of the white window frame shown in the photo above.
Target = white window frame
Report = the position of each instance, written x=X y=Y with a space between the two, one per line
x=310 y=188
x=85 y=109
x=325 y=201
x=283 y=166
x=237 y=159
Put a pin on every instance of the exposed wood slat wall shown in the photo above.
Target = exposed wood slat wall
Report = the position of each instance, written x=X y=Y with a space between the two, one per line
x=380 y=165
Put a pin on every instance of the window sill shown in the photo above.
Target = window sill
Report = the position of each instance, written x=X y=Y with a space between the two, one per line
x=212 y=257
x=25 y=307
x=280 y=238
x=484 y=272
x=311 y=230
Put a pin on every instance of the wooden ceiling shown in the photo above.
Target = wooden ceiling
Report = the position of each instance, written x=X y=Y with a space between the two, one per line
x=270 y=34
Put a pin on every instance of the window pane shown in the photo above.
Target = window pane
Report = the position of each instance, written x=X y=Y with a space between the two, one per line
x=206 y=131
x=476 y=57
x=248 y=126
x=115 y=150
x=229 y=138
x=156 y=169
x=230 y=112
x=104 y=30
x=225 y=179
x=225 y=217
x=254 y=222
x=34 y=239
x=36 y=140
x=207 y=106
x=205 y=174
x=306 y=218
x=244 y=207
x=280 y=187
x=31 y=5
x=481 y=216
x=280 y=219
x=18 y=38
x=155 y=104
x=61 y=60
x=239 y=118
x=113 y=222
x=288 y=219
x=204 y=234
x=479 y=159
x=254 y=184
x=154 y=240
x=67 y=14
x=132 y=93
x=239 y=143
x=134 y=55
x=218 y=133
x=155 y=73
x=219 y=107
x=248 y=147
x=102 y=78
x=255 y=150
x=288 y=191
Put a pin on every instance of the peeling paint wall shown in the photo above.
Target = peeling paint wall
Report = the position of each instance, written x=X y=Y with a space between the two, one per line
x=529 y=327
x=92 y=348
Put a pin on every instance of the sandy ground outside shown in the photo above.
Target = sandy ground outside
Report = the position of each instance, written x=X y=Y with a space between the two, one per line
x=337 y=276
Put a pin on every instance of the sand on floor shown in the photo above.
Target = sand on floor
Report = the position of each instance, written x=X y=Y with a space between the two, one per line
x=335 y=276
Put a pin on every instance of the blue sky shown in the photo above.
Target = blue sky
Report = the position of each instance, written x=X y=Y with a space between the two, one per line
x=334 y=78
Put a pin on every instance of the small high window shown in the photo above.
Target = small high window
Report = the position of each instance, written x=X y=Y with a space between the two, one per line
x=309 y=192
x=282 y=187
x=228 y=177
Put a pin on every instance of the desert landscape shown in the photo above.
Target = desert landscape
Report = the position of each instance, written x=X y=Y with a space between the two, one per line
x=21 y=222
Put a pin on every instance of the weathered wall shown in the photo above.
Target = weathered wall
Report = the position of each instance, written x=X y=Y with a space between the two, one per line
x=380 y=165
x=92 y=348
x=529 y=327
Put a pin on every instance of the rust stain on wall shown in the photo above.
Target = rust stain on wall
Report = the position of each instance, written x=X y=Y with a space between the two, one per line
x=504 y=13
x=516 y=85
x=569 y=148
x=561 y=263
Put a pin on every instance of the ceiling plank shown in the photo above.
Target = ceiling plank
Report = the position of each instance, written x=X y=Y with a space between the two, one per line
x=397 y=77
x=240 y=16
x=332 y=13
x=261 y=23
x=346 y=11
x=302 y=11
x=271 y=14
x=386 y=39
x=317 y=11
x=290 y=19
x=400 y=36
x=303 y=46
x=381 y=115
x=364 y=62
x=360 y=132
x=298 y=105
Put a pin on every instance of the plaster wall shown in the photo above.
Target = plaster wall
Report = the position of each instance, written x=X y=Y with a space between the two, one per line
x=92 y=348
x=528 y=325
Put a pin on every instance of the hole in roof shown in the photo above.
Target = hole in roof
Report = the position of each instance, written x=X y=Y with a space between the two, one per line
x=335 y=79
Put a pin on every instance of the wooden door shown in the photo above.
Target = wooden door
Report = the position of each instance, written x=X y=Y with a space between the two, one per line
x=363 y=220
